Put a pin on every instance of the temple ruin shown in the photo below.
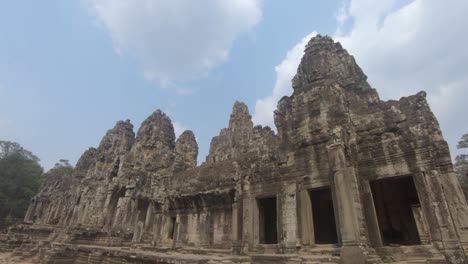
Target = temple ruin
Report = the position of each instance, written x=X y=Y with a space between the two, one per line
x=347 y=178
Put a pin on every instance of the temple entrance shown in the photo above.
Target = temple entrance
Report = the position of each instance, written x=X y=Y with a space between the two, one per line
x=172 y=228
x=143 y=205
x=117 y=193
x=394 y=199
x=323 y=216
x=268 y=231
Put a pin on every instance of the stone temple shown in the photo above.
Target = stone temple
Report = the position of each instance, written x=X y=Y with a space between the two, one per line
x=347 y=178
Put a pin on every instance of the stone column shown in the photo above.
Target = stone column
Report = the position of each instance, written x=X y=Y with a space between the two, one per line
x=288 y=218
x=237 y=214
x=106 y=221
x=345 y=188
x=28 y=218
x=237 y=222
x=307 y=222
x=250 y=237
x=457 y=204
x=420 y=224
x=375 y=238
x=436 y=207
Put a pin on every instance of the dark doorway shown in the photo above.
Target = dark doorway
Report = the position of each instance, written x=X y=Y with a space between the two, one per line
x=393 y=200
x=267 y=220
x=172 y=228
x=117 y=193
x=323 y=216
x=143 y=205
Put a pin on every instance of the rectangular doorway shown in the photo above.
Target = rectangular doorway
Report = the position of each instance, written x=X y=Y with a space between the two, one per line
x=267 y=216
x=172 y=228
x=142 y=206
x=323 y=215
x=393 y=201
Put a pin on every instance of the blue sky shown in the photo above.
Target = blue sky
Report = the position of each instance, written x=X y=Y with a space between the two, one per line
x=70 y=69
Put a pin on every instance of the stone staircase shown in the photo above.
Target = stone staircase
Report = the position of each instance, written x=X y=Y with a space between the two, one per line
x=26 y=242
x=426 y=254
x=372 y=257
x=313 y=255
x=3 y=243
x=58 y=253
x=293 y=259
x=35 y=244
x=320 y=254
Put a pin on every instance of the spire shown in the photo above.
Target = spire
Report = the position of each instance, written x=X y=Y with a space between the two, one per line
x=326 y=62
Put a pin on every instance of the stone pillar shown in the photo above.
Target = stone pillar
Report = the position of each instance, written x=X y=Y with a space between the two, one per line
x=373 y=229
x=251 y=209
x=457 y=204
x=237 y=223
x=249 y=217
x=106 y=221
x=237 y=214
x=420 y=224
x=288 y=218
x=307 y=221
x=149 y=216
x=436 y=207
x=28 y=218
x=344 y=185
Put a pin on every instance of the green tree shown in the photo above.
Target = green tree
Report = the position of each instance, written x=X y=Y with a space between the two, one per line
x=20 y=178
x=461 y=162
x=61 y=169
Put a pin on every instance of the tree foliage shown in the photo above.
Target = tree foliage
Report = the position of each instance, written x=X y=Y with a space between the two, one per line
x=61 y=169
x=461 y=161
x=463 y=143
x=8 y=148
x=20 y=178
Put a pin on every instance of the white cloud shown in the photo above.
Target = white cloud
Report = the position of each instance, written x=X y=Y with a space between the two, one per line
x=179 y=128
x=449 y=105
x=341 y=17
x=285 y=71
x=405 y=47
x=175 y=40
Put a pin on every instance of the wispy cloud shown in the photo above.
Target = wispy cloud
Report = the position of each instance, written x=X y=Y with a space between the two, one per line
x=404 y=48
x=285 y=71
x=179 y=128
x=175 y=40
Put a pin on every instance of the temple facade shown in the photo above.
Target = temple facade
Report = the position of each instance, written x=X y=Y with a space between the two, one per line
x=345 y=178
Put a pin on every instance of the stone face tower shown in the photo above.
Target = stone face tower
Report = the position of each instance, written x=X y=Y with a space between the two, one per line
x=348 y=178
